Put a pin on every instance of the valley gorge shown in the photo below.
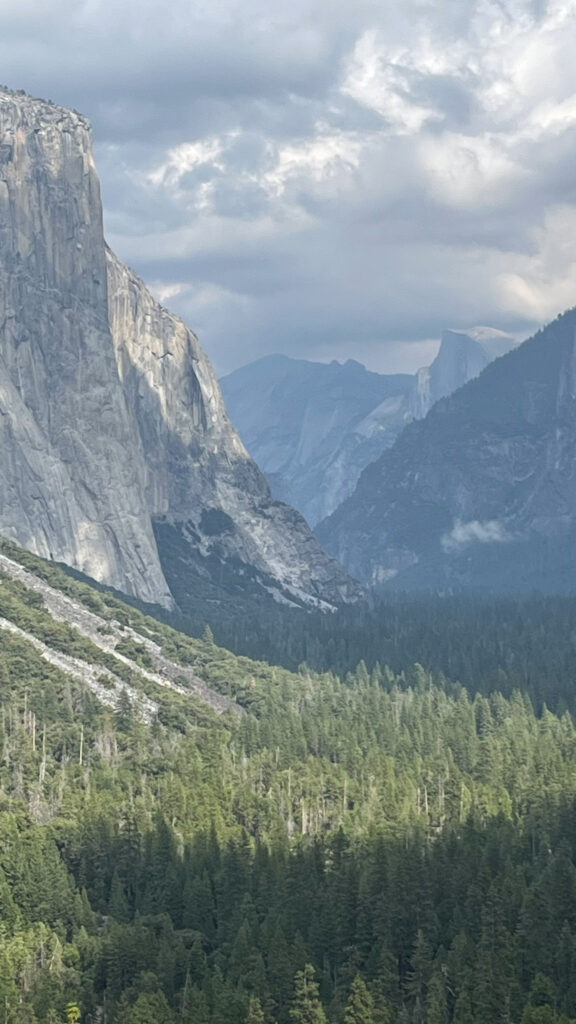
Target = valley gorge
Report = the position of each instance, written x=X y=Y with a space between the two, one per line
x=372 y=823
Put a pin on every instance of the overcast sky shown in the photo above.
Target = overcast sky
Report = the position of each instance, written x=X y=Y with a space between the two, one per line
x=325 y=178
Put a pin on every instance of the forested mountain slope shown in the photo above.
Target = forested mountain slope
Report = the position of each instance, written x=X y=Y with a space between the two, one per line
x=481 y=493
x=410 y=844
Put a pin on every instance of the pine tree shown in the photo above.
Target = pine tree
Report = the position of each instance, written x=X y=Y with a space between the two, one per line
x=255 y=1013
x=493 y=965
x=419 y=977
x=436 y=1007
x=124 y=714
x=194 y=1008
x=463 y=1009
x=208 y=636
x=306 y=1008
x=360 y=1005
x=540 y=1015
x=150 y=1009
x=118 y=904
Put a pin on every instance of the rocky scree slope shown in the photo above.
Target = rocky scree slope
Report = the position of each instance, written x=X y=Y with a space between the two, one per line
x=117 y=456
x=482 y=492
x=316 y=426
x=107 y=635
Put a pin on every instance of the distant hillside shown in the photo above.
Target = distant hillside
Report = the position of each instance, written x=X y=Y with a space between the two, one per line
x=313 y=427
x=482 y=492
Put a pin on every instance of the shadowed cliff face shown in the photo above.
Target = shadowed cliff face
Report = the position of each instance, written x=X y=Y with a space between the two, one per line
x=113 y=429
x=482 y=492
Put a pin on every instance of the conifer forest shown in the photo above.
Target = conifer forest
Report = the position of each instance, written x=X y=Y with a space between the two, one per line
x=383 y=845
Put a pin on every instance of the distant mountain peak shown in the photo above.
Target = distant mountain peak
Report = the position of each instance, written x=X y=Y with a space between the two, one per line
x=316 y=425
x=482 y=492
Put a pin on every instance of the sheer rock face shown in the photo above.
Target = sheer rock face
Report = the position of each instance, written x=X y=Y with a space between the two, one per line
x=482 y=492
x=191 y=447
x=114 y=438
x=211 y=506
x=72 y=473
x=316 y=425
x=461 y=357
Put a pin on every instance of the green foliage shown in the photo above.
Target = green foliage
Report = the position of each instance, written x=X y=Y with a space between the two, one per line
x=411 y=842
x=306 y=1006
x=360 y=1005
x=149 y=1009
x=255 y=1013
x=436 y=1001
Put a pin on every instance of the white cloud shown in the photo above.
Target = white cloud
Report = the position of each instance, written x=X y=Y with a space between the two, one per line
x=462 y=535
x=379 y=79
x=164 y=292
x=185 y=158
x=544 y=282
x=325 y=160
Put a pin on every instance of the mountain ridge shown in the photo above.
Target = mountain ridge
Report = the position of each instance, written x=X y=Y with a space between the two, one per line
x=318 y=425
x=480 y=492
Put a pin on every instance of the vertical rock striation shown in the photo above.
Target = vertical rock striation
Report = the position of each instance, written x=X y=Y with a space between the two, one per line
x=211 y=506
x=117 y=456
x=72 y=475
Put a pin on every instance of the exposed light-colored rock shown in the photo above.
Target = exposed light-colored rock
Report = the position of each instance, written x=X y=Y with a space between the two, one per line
x=87 y=674
x=462 y=355
x=201 y=482
x=72 y=473
x=114 y=438
x=107 y=634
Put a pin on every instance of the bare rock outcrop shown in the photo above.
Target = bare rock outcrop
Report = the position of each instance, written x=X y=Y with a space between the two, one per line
x=72 y=473
x=116 y=453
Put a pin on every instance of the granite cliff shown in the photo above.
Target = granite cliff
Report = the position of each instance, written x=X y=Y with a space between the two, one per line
x=482 y=492
x=316 y=426
x=117 y=455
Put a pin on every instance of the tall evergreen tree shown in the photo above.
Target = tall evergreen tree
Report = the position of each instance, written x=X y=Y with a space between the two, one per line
x=255 y=1014
x=360 y=1005
x=306 y=1007
x=436 y=1004
x=150 y=1008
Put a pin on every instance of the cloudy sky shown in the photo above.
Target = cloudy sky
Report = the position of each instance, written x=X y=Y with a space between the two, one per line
x=325 y=178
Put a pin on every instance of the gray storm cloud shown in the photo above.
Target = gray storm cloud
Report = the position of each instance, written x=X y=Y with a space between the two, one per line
x=326 y=180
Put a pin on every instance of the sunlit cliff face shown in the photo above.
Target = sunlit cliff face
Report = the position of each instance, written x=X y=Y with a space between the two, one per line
x=115 y=439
